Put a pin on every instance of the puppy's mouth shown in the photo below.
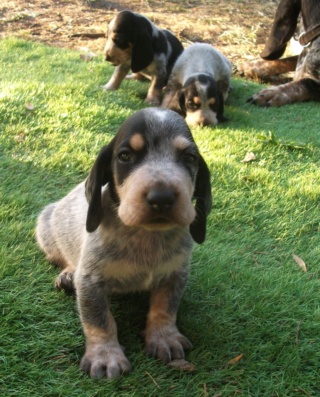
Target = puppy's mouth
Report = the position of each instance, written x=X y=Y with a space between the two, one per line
x=159 y=220
x=159 y=223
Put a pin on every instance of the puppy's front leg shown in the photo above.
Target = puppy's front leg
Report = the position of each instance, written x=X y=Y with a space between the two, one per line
x=118 y=75
x=157 y=84
x=104 y=355
x=162 y=337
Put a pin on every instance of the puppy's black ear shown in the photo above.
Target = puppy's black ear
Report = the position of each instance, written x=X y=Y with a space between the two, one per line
x=202 y=194
x=142 y=50
x=181 y=101
x=101 y=174
x=284 y=25
x=175 y=100
x=221 y=118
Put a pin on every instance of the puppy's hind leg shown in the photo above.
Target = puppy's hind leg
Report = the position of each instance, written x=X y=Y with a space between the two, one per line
x=155 y=90
x=48 y=244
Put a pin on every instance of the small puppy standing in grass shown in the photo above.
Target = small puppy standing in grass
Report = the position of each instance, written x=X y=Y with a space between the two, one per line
x=199 y=85
x=135 y=43
x=129 y=227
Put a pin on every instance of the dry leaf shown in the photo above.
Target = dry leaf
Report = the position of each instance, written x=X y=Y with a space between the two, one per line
x=249 y=157
x=21 y=137
x=183 y=365
x=29 y=106
x=300 y=262
x=86 y=57
x=235 y=360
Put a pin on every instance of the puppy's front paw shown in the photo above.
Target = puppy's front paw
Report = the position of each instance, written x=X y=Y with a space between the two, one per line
x=153 y=97
x=166 y=343
x=105 y=360
x=109 y=87
x=153 y=101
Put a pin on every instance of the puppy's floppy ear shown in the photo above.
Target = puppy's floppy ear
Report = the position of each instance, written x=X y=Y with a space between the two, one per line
x=175 y=100
x=202 y=194
x=221 y=118
x=181 y=103
x=142 y=51
x=284 y=24
x=101 y=173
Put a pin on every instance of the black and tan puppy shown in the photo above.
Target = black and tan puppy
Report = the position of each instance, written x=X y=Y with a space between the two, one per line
x=306 y=82
x=130 y=227
x=199 y=85
x=135 y=43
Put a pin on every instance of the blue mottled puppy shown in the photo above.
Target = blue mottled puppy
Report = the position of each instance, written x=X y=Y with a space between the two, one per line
x=130 y=227
x=199 y=85
x=135 y=43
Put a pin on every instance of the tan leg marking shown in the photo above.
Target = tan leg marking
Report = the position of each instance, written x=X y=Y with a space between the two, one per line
x=162 y=337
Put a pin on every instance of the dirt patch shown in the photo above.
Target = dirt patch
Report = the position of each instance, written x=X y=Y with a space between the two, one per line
x=237 y=27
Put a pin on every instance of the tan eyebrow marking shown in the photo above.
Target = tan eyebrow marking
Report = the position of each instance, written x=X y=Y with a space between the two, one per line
x=136 y=141
x=181 y=142
x=196 y=100
x=211 y=101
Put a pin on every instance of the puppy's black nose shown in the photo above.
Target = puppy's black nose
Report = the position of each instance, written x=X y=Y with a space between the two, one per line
x=107 y=58
x=161 y=200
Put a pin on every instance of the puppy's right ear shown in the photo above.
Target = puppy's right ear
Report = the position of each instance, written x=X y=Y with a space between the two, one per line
x=182 y=102
x=220 y=116
x=284 y=25
x=202 y=194
x=101 y=174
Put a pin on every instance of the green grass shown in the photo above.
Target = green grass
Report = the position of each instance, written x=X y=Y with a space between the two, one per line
x=246 y=295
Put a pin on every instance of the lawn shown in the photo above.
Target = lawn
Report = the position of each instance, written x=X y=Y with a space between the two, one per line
x=252 y=313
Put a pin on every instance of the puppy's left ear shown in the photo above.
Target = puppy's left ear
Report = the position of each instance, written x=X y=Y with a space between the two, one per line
x=101 y=174
x=142 y=51
x=221 y=118
x=202 y=194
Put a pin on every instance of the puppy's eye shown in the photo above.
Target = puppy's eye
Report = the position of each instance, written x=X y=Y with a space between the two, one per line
x=125 y=156
x=192 y=105
x=190 y=158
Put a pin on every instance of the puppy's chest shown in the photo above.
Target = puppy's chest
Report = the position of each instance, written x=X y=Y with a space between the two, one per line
x=135 y=264
x=123 y=277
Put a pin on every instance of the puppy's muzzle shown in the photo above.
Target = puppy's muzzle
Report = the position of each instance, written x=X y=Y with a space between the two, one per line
x=157 y=196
